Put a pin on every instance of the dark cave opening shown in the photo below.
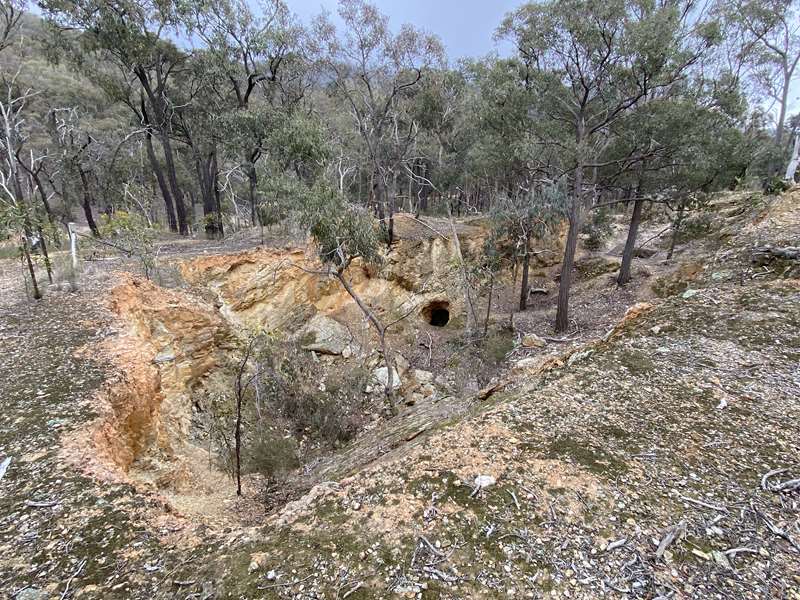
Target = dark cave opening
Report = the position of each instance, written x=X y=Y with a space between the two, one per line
x=437 y=313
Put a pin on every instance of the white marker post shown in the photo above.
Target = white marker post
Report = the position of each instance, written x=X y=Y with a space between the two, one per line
x=73 y=249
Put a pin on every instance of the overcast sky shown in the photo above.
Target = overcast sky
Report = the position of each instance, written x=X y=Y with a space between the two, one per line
x=465 y=27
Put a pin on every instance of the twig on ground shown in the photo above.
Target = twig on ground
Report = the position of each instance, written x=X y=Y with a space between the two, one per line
x=75 y=573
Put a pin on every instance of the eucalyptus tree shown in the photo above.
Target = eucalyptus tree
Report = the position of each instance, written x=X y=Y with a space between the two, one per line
x=11 y=13
x=16 y=211
x=770 y=30
x=592 y=64
x=371 y=70
x=255 y=64
x=126 y=47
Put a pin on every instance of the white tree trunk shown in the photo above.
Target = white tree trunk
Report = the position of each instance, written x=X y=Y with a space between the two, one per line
x=791 y=169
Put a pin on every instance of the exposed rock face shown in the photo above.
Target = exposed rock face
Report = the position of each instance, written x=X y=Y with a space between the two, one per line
x=268 y=289
x=171 y=343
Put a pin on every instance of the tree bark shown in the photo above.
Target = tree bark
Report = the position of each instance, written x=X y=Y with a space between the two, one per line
x=87 y=203
x=526 y=265
x=162 y=183
x=630 y=244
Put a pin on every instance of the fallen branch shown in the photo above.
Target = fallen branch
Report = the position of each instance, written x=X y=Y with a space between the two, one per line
x=673 y=534
x=734 y=551
x=704 y=504
x=45 y=504
x=792 y=485
x=774 y=529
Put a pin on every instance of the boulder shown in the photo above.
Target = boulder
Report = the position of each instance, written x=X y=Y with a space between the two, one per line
x=531 y=340
x=527 y=363
x=423 y=377
x=325 y=335
x=381 y=375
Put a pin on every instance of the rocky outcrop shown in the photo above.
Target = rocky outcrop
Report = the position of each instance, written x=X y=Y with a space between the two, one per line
x=170 y=343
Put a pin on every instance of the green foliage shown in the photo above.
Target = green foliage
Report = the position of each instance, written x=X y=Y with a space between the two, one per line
x=133 y=235
x=597 y=228
x=341 y=231
x=270 y=453
x=516 y=221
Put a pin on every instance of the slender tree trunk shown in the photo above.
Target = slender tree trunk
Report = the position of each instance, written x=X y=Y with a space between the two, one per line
x=87 y=203
x=388 y=355
x=633 y=230
x=37 y=295
x=574 y=217
x=206 y=173
x=488 y=305
x=392 y=200
x=676 y=227
x=43 y=195
x=252 y=179
x=237 y=434
x=630 y=244
x=172 y=177
x=46 y=256
x=214 y=182
x=162 y=182
x=526 y=265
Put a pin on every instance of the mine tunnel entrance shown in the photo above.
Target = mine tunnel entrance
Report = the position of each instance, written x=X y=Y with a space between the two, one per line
x=437 y=313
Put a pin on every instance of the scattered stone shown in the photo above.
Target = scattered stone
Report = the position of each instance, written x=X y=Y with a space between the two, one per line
x=484 y=481
x=258 y=561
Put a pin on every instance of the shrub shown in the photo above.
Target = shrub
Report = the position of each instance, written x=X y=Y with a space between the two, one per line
x=597 y=229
